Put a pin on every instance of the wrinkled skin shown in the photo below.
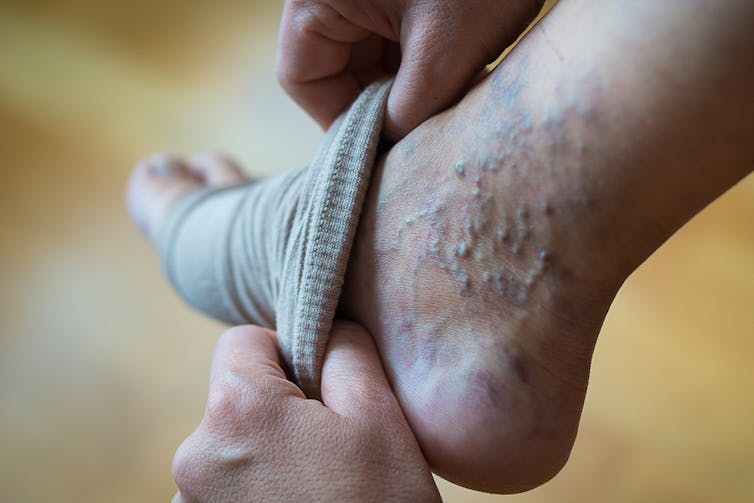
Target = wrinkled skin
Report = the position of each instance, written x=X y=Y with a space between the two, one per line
x=262 y=440
x=330 y=50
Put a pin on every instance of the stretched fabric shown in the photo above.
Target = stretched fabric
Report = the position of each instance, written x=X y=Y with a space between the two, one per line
x=274 y=252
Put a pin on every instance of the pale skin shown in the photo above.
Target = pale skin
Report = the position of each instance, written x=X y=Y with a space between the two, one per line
x=485 y=287
x=262 y=440
x=329 y=50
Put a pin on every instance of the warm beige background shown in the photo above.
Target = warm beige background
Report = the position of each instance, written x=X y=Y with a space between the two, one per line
x=103 y=370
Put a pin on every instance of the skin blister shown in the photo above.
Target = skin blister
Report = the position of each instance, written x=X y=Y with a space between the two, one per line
x=484 y=249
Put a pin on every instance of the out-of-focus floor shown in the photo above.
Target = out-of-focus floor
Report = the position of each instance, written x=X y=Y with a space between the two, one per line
x=103 y=370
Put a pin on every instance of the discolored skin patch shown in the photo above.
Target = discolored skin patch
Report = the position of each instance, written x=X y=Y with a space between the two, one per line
x=468 y=247
x=483 y=247
x=521 y=370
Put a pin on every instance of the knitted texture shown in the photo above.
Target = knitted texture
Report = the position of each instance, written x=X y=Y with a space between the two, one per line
x=274 y=253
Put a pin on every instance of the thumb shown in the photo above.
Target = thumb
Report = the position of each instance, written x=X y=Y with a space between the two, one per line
x=437 y=67
x=444 y=47
x=353 y=379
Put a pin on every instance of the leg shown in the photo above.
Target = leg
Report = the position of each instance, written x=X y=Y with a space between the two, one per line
x=507 y=224
x=274 y=252
x=496 y=234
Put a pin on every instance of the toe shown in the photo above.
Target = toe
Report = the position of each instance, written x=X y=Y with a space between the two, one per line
x=162 y=167
x=216 y=170
x=156 y=183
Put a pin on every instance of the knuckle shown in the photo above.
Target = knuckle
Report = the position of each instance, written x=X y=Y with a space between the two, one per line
x=230 y=401
x=284 y=73
x=301 y=18
x=229 y=336
x=235 y=406
x=186 y=469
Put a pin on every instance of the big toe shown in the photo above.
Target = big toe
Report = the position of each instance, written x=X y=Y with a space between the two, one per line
x=158 y=181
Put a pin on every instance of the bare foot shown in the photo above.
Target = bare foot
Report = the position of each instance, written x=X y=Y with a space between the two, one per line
x=159 y=180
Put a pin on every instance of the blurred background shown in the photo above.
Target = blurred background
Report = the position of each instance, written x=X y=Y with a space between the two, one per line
x=103 y=370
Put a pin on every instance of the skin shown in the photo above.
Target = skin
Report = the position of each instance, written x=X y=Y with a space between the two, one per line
x=262 y=440
x=604 y=131
x=591 y=150
x=152 y=192
x=330 y=50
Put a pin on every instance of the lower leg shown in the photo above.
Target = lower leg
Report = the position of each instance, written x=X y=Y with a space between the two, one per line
x=497 y=234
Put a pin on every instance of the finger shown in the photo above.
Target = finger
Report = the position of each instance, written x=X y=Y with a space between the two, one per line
x=435 y=71
x=246 y=353
x=372 y=59
x=442 y=57
x=353 y=379
x=314 y=51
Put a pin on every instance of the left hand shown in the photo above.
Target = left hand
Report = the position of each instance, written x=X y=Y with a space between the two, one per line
x=261 y=439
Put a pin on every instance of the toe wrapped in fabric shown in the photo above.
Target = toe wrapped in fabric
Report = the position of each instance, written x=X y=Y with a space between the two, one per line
x=274 y=253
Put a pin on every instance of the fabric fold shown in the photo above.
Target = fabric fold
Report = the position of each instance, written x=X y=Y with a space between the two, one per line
x=274 y=252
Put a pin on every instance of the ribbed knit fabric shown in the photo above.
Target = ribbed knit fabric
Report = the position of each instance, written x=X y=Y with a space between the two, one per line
x=274 y=253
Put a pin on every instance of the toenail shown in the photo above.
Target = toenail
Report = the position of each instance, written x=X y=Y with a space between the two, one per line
x=166 y=166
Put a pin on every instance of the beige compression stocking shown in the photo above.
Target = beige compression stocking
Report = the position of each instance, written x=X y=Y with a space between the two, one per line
x=274 y=252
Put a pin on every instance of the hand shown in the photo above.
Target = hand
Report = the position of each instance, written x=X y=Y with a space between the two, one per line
x=329 y=50
x=262 y=440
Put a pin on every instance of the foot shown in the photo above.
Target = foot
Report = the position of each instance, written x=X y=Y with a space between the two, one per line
x=495 y=236
x=160 y=180
x=475 y=272
x=484 y=267
x=470 y=270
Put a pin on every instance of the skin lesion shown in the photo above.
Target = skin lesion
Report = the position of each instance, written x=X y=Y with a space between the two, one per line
x=473 y=218
x=466 y=243
x=503 y=229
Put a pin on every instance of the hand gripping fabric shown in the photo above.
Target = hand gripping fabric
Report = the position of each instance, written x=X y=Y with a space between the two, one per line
x=274 y=252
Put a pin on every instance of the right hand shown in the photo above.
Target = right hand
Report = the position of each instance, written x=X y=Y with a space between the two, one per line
x=330 y=50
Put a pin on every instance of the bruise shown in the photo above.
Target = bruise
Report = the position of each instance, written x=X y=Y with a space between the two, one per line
x=519 y=366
